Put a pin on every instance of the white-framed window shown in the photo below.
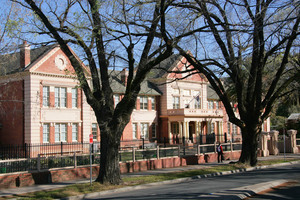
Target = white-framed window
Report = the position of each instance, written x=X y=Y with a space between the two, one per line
x=197 y=103
x=152 y=103
x=60 y=132
x=153 y=130
x=210 y=104
x=176 y=91
x=74 y=132
x=46 y=133
x=187 y=92
x=228 y=127
x=94 y=130
x=116 y=99
x=186 y=103
x=134 y=131
x=234 y=129
x=196 y=93
x=46 y=92
x=176 y=103
x=144 y=130
x=143 y=102
x=60 y=97
x=74 y=97
x=217 y=105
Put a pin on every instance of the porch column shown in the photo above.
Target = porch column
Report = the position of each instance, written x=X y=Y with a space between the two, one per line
x=180 y=132
x=169 y=132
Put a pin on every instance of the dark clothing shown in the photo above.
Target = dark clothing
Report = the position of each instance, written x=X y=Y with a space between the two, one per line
x=220 y=153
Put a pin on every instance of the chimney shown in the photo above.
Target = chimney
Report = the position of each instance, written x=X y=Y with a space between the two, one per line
x=24 y=55
x=124 y=76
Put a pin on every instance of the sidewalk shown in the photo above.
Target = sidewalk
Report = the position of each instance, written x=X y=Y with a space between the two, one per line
x=34 y=188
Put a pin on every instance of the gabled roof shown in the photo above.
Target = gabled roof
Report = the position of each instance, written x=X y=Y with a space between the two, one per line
x=10 y=63
x=211 y=94
x=147 y=88
x=168 y=64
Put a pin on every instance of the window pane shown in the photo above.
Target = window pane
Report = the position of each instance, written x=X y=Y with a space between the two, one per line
x=46 y=131
x=153 y=103
x=74 y=97
x=144 y=130
x=63 y=132
x=63 y=92
x=94 y=131
x=134 y=131
x=45 y=96
x=74 y=132
x=57 y=133
x=153 y=130
x=57 y=97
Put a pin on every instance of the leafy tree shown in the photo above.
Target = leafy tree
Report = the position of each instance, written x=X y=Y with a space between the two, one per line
x=121 y=32
x=239 y=40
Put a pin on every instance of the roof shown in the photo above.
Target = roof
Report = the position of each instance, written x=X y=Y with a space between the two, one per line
x=211 y=94
x=167 y=65
x=10 y=63
x=147 y=88
x=294 y=117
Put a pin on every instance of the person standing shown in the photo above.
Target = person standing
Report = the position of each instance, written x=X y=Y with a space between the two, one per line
x=220 y=152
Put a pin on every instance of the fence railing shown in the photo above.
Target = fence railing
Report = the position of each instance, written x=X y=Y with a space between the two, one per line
x=45 y=163
x=200 y=139
x=194 y=149
x=61 y=148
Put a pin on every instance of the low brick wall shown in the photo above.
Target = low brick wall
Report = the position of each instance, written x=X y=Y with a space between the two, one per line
x=211 y=157
x=13 y=180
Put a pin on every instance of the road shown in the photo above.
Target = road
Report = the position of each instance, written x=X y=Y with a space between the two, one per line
x=203 y=188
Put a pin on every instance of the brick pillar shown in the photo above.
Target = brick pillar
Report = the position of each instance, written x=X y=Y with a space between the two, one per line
x=263 y=144
x=274 y=143
x=292 y=140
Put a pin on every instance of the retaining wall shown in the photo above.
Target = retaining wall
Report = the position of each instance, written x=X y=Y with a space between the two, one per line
x=20 y=179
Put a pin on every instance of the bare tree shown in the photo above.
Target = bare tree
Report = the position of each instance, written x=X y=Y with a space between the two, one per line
x=238 y=40
x=107 y=32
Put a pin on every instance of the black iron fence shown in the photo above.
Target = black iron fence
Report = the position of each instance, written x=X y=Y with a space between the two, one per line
x=61 y=148
x=33 y=150
x=200 y=139
x=45 y=163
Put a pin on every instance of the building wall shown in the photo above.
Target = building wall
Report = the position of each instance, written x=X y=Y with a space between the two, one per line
x=11 y=112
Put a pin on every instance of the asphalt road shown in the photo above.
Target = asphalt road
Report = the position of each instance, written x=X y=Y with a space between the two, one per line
x=203 y=188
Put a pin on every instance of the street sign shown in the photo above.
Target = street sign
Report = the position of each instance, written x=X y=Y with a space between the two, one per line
x=91 y=139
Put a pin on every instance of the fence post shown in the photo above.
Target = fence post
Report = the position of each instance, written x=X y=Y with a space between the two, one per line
x=61 y=148
x=198 y=150
x=133 y=154
x=179 y=150
x=75 y=160
x=143 y=139
x=215 y=145
x=183 y=141
x=25 y=150
x=231 y=146
x=157 y=152
x=39 y=162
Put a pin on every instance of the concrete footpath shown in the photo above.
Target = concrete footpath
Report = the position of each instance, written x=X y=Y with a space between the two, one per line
x=237 y=193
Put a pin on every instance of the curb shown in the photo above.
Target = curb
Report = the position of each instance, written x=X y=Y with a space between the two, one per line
x=253 y=188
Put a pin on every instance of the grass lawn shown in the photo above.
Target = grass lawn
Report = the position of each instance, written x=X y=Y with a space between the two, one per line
x=78 y=189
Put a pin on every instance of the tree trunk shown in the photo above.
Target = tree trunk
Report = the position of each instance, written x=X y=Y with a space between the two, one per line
x=109 y=159
x=249 y=145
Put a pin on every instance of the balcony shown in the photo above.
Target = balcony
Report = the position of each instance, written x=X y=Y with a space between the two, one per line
x=188 y=112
